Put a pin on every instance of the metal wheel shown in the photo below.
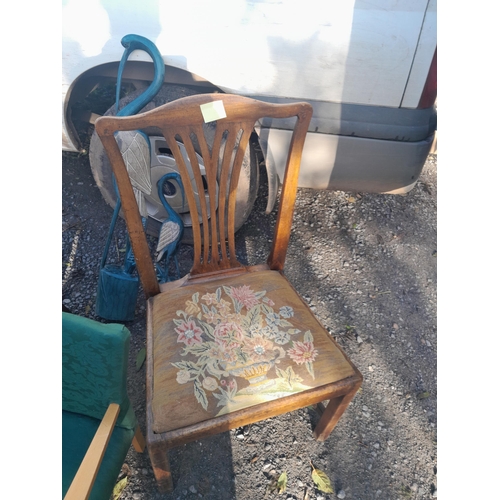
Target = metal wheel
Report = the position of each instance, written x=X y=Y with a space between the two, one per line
x=162 y=161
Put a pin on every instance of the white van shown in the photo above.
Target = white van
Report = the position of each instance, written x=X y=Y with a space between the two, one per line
x=367 y=67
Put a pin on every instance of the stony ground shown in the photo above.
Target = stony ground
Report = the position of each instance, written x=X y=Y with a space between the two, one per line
x=366 y=264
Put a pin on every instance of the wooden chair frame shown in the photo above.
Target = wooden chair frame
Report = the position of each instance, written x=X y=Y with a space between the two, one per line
x=214 y=243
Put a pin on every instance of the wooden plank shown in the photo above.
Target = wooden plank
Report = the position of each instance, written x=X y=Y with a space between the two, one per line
x=138 y=442
x=256 y=413
x=284 y=221
x=157 y=446
x=84 y=479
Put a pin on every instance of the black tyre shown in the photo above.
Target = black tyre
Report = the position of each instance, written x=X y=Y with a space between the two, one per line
x=162 y=162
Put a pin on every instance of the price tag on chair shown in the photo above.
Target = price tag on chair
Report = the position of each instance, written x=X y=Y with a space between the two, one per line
x=213 y=111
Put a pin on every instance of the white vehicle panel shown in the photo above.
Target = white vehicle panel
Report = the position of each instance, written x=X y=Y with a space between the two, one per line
x=423 y=58
x=319 y=49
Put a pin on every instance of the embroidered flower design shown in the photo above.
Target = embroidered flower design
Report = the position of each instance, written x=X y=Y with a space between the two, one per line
x=259 y=348
x=236 y=331
x=213 y=350
x=273 y=320
x=189 y=333
x=228 y=334
x=268 y=332
x=302 y=352
x=268 y=301
x=211 y=316
x=183 y=376
x=224 y=309
x=286 y=311
x=281 y=338
x=231 y=384
x=210 y=384
x=210 y=298
x=244 y=295
x=192 y=308
x=227 y=354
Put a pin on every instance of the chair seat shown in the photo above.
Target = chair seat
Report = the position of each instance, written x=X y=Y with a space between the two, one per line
x=225 y=347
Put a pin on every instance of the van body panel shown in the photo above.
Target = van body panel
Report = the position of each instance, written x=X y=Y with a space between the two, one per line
x=361 y=64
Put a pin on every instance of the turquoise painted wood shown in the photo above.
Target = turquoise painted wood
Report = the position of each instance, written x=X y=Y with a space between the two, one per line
x=116 y=294
x=171 y=231
x=118 y=286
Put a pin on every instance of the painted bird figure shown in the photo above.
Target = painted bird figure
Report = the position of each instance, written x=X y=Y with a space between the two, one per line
x=134 y=145
x=171 y=230
x=117 y=290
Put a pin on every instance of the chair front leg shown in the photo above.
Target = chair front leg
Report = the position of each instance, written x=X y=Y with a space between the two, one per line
x=161 y=466
x=332 y=414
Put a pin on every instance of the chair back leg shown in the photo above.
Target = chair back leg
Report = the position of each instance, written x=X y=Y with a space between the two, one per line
x=139 y=442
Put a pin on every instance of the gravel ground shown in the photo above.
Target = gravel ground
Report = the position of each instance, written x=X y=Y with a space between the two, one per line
x=366 y=264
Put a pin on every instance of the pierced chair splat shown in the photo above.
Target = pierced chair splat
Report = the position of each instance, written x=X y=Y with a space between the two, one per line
x=228 y=344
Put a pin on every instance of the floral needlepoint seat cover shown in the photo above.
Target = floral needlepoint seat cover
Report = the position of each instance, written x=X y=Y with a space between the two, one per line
x=244 y=342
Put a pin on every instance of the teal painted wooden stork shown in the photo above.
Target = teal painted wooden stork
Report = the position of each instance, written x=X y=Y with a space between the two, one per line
x=134 y=145
x=118 y=287
x=171 y=230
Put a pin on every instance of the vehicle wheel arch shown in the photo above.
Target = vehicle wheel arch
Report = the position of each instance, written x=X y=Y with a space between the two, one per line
x=137 y=73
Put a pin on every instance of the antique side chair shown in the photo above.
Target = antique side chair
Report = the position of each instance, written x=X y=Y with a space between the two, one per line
x=228 y=344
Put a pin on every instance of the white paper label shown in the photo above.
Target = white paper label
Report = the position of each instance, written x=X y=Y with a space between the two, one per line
x=212 y=111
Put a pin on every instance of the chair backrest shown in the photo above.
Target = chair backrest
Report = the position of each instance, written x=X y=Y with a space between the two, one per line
x=183 y=121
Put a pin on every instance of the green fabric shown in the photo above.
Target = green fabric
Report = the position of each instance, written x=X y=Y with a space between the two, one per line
x=77 y=434
x=94 y=368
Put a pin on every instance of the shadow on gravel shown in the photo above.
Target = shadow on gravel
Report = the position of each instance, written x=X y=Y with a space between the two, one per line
x=367 y=266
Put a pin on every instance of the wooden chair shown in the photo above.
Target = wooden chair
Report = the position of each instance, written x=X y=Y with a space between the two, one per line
x=98 y=422
x=228 y=344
